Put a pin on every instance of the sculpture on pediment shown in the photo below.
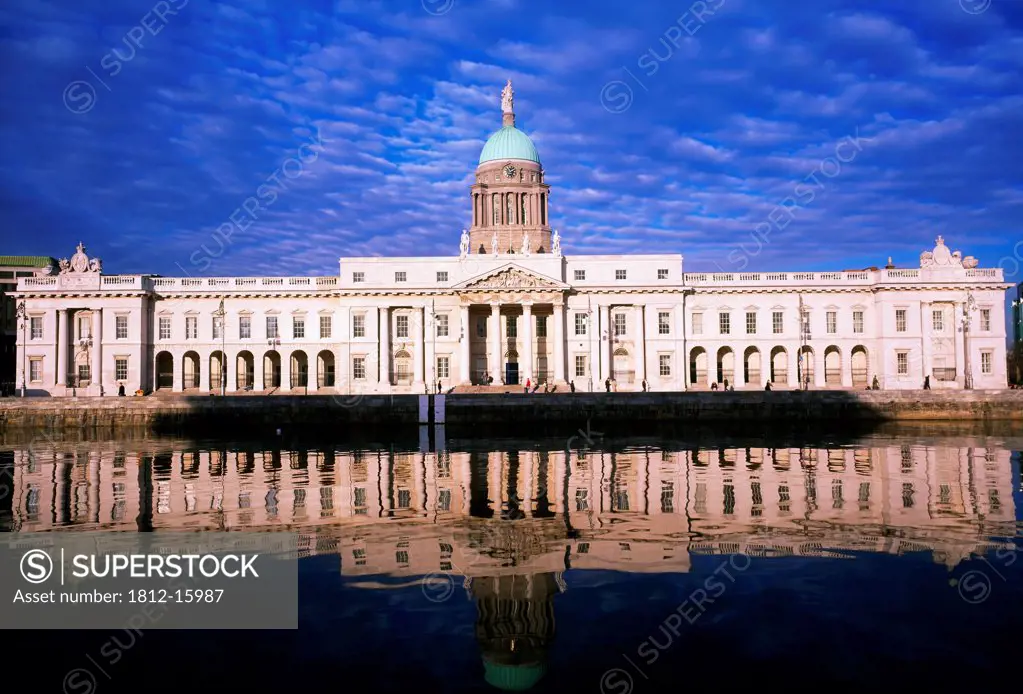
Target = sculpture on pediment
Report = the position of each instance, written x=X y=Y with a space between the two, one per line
x=969 y=262
x=510 y=279
x=556 y=247
x=941 y=256
x=463 y=246
x=80 y=263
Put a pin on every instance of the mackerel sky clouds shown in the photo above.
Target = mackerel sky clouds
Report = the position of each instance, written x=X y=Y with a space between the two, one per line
x=744 y=134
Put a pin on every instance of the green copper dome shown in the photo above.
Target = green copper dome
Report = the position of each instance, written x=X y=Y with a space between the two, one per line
x=509 y=143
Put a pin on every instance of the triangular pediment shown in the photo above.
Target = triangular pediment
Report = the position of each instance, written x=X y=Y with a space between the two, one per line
x=511 y=277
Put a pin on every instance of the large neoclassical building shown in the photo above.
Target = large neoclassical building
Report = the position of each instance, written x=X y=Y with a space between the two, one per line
x=510 y=307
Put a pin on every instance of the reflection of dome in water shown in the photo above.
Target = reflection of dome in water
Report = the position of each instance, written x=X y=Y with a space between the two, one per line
x=514 y=627
x=513 y=678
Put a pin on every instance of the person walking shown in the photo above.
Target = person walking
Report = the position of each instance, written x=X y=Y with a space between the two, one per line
x=768 y=386
x=875 y=385
x=571 y=385
x=607 y=384
x=644 y=385
x=527 y=385
x=927 y=382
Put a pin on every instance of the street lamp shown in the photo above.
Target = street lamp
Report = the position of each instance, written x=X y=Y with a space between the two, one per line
x=969 y=306
x=274 y=343
x=222 y=316
x=21 y=314
x=804 y=342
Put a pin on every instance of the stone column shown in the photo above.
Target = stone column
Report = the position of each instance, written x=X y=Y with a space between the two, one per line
x=641 y=348
x=495 y=367
x=739 y=372
x=258 y=368
x=418 y=323
x=765 y=367
x=313 y=371
x=818 y=367
x=285 y=372
x=384 y=352
x=430 y=349
x=97 y=355
x=465 y=352
x=606 y=329
x=62 y=345
x=559 y=341
x=794 y=374
x=926 y=328
x=527 y=359
x=231 y=367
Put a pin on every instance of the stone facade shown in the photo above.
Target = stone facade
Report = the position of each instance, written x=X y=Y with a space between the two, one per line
x=511 y=308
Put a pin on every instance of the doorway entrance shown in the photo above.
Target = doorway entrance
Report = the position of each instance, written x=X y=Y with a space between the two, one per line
x=511 y=373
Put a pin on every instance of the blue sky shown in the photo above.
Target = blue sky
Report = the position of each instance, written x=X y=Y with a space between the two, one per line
x=141 y=128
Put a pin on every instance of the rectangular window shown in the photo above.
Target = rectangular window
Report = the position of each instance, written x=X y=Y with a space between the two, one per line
x=831 y=322
x=271 y=327
x=84 y=374
x=541 y=326
x=481 y=327
x=442 y=275
x=245 y=327
x=580 y=324
x=442 y=325
x=121 y=327
x=662 y=274
x=778 y=322
x=663 y=323
x=985 y=319
x=85 y=326
x=443 y=367
x=35 y=370
x=218 y=322
x=902 y=362
x=401 y=326
x=165 y=327
x=121 y=369
x=325 y=327
x=985 y=362
x=511 y=326
x=619 y=319
x=857 y=321
x=359 y=325
x=938 y=320
x=900 y=320
x=697 y=324
x=751 y=323
x=297 y=327
x=580 y=275
x=358 y=277
x=619 y=274
x=36 y=327
x=580 y=365
x=725 y=323
x=191 y=327
x=359 y=368
x=664 y=364
x=399 y=276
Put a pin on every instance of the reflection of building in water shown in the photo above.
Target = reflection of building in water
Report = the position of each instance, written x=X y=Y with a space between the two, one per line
x=640 y=510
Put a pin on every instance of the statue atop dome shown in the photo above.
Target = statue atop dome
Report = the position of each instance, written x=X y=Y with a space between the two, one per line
x=507 y=105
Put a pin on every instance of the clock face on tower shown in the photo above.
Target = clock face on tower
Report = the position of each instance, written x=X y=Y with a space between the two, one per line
x=509 y=171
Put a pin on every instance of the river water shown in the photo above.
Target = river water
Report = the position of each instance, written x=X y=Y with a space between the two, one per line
x=579 y=563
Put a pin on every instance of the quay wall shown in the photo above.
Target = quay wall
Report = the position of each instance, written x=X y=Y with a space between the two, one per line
x=344 y=414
